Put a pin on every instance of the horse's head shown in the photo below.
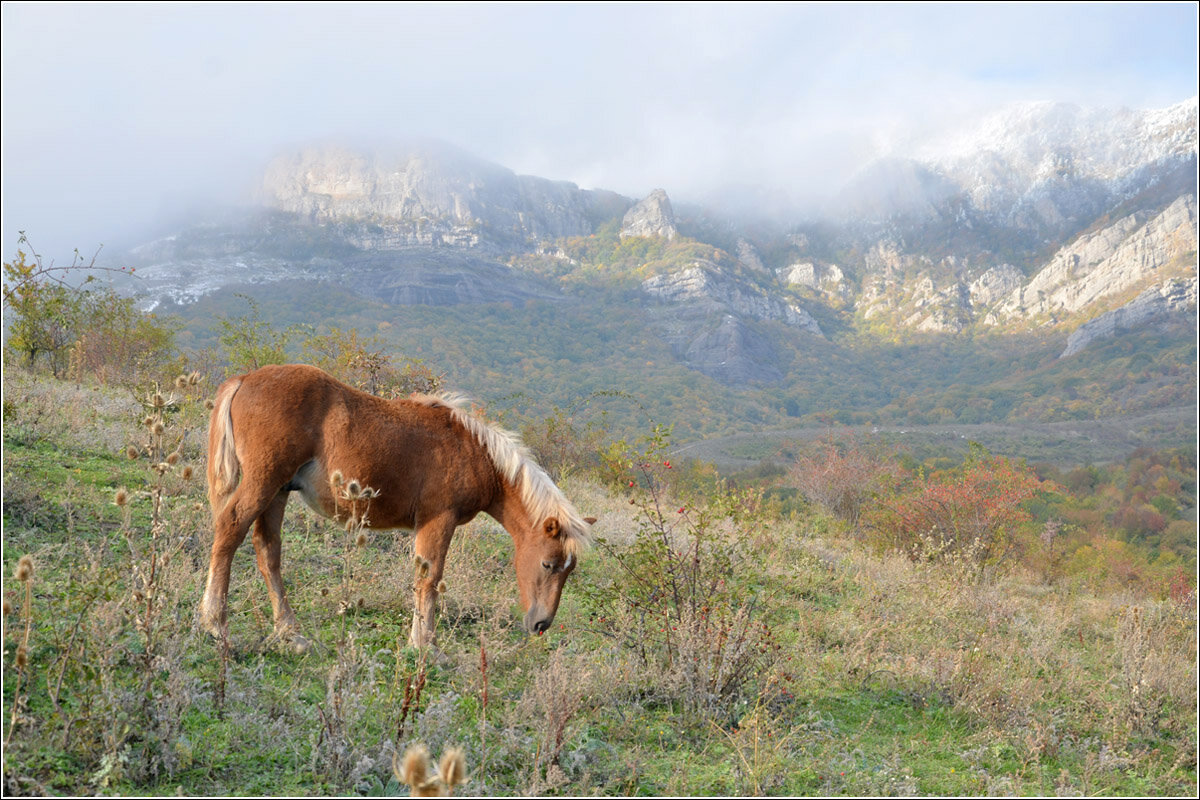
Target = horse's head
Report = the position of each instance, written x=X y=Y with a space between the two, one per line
x=544 y=559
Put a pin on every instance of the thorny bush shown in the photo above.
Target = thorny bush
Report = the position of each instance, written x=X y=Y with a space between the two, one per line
x=681 y=598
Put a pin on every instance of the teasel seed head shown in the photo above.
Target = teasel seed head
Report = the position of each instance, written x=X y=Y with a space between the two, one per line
x=174 y=457
x=22 y=657
x=361 y=539
x=121 y=497
x=181 y=382
x=453 y=769
x=188 y=472
x=414 y=768
x=159 y=428
x=353 y=490
x=132 y=453
x=209 y=404
x=336 y=477
x=24 y=570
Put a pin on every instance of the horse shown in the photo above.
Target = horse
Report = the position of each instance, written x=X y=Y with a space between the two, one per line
x=425 y=463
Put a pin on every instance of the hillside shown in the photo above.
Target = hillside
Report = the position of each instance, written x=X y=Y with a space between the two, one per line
x=713 y=641
x=975 y=281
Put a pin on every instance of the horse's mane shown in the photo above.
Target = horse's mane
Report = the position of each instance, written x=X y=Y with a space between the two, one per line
x=513 y=460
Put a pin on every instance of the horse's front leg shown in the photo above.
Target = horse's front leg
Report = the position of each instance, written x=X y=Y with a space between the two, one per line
x=430 y=548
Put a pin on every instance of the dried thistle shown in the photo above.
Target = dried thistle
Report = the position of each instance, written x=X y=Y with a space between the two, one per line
x=453 y=769
x=441 y=587
x=181 y=382
x=22 y=659
x=132 y=453
x=361 y=539
x=173 y=458
x=422 y=566
x=159 y=428
x=187 y=472
x=414 y=770
x=353 y=490
x=209 y=404
x=336 y=478
x=121 y=497
x=24 y=570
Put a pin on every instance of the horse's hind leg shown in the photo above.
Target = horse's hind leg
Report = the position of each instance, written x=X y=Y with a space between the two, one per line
x=268 y=547
x=230 y=525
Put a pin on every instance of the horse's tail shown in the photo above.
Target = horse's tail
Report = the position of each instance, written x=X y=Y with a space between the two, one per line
x=223 y=466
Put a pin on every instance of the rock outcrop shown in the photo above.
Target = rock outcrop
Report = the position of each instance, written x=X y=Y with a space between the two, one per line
x=713 y=323
x=428 y=195
x=653 y=216
x=1173 y=299
x=703 y=287
x=1106 y=262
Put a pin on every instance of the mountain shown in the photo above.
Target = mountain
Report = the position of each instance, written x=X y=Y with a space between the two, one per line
x=1040 y=223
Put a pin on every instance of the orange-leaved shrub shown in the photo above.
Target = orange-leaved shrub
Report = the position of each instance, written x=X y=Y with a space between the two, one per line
x=975 y=513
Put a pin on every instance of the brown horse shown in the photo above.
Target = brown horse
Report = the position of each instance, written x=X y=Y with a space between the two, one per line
x=432 y=464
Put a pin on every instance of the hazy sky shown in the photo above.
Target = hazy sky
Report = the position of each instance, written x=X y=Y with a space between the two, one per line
x=115 y=115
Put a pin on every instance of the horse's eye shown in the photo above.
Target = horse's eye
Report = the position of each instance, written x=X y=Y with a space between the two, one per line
x=547 y=565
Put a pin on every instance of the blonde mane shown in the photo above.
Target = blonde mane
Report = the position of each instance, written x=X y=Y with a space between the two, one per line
x=542 y=499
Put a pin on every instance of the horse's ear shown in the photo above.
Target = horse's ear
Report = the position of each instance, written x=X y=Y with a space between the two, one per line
x=590 y=520
x=553 y=529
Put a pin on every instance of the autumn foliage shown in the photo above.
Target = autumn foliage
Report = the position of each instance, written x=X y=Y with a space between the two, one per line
x=975 y=512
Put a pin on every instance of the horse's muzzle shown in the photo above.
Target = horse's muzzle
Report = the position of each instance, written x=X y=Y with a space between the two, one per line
x=537 y=624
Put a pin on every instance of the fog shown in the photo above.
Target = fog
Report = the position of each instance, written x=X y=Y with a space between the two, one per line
x=118 y=118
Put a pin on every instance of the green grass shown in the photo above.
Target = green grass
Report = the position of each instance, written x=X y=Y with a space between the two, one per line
x=891 y=677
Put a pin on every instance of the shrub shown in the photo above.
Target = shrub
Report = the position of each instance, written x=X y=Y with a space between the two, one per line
x=842 y=478
x=682 y=599
x=973 y=513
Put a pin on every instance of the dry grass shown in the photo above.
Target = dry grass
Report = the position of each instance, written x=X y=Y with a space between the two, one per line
x=890 y=677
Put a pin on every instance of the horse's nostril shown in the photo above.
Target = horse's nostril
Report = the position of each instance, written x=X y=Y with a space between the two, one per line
x=540 y=626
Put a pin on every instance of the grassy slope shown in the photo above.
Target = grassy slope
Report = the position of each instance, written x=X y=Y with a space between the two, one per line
x=889 y=677
x=545 y=355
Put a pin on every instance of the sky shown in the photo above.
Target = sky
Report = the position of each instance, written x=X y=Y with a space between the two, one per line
x=118 y=118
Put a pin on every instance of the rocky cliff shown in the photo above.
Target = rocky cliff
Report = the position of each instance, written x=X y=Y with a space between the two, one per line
x=429 y=195
x=1174 y=300
x=1108 y=262
x=653 y=216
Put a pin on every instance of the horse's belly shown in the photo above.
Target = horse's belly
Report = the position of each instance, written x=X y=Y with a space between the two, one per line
x=312 y=485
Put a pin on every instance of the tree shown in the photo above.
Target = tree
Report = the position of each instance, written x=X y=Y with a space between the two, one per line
x=42 y=315
x=63 y=324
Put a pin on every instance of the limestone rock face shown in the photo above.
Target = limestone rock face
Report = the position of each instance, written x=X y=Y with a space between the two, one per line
x=994 y=284
x=1175 y=298
x=712 y=291
x=1107 y=262
x=713 y=322
x=653 y=216
x=748 y=256
x=425 y=195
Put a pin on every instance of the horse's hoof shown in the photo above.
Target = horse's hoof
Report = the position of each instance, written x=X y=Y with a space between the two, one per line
x=299 y=644
x=289 y=642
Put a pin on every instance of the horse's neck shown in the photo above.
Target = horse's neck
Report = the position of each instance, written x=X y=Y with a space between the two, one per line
x=509 y=510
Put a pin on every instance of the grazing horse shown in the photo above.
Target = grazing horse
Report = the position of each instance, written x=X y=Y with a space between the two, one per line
x=433 y=465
